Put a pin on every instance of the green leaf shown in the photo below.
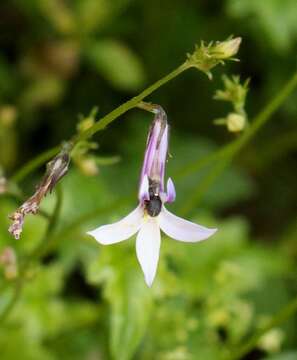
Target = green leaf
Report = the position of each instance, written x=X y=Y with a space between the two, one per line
x=117 y=64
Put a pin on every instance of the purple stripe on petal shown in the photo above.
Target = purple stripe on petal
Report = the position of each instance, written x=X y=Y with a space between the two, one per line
x=181 y=229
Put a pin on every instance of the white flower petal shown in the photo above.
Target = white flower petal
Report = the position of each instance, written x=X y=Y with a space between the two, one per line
x=181 y=229
x=119 y=231
x=148 y=247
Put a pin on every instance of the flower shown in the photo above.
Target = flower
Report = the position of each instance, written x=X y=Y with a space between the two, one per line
x=151 y=215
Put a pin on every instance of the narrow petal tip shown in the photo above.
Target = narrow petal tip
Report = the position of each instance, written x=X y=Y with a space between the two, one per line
x=149 y=281
x=212 y=231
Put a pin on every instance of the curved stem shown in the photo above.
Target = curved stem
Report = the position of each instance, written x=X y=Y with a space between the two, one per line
x=100 y=124
x=267 y=112
x=130 y=104
x=280 y=317
x=196 y=165
x=275 y=150
x=217 y=170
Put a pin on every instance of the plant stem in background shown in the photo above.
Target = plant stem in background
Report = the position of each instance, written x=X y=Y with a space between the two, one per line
x=31 y=165
x=99 y=125
x=130 y=104
x=227 y=155
x=279 y=318
x=204 y=58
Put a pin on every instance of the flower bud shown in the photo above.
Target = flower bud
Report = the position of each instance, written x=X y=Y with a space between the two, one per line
x=235 y=122
x=227 y=49
x=88 y=166
x=87 y=122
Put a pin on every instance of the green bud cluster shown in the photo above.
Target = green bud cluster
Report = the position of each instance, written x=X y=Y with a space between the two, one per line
x=235 y=93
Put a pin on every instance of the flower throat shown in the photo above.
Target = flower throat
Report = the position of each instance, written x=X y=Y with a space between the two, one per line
x=153 y=206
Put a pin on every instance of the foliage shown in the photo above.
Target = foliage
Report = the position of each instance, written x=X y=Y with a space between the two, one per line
x=77 y=300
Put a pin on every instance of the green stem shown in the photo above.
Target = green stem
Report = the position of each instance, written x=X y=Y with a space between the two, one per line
x=227 y=154
x=196 y=165
x=100 y=124
x=130 y=104
x=222 y=163
x=275 y=149
x=33 y=164
x=267 y=112
x=280 y=317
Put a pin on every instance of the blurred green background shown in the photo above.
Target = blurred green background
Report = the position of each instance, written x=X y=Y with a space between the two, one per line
x=59 y=59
